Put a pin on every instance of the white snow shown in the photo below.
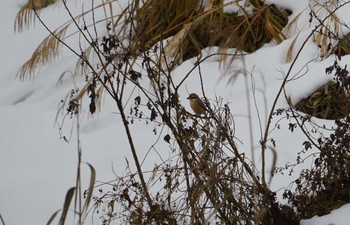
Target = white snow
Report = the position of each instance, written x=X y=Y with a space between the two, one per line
x=37 y=167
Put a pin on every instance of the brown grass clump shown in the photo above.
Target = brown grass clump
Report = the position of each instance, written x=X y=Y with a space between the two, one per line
x=26 y=15
x=343 y=46
x=188 y=27
x=196 y=29
x=327 y=102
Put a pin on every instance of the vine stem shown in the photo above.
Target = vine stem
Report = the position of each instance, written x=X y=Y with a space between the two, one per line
x=282 y=87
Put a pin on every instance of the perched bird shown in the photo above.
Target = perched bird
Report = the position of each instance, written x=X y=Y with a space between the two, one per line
x=196 y=104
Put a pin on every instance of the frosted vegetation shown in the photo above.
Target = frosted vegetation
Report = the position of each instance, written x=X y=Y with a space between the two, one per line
x=145 y=57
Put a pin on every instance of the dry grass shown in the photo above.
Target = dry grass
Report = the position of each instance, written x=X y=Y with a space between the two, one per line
x=343 y=46
x=216 y=181
x=198 y=29
x=327 y=102
x=189 y=27
x=45 y=53
x=26 y=15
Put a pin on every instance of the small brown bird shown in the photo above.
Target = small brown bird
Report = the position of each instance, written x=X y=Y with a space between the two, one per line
x=196 y=104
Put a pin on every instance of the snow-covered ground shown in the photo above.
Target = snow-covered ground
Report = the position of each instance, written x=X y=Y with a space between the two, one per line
x=37 y=167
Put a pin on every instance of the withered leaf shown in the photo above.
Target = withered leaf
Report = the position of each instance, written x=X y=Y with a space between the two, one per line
x=167 y=138
x=138 y=100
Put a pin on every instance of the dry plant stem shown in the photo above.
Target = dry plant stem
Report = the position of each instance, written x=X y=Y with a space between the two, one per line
x=93 y=18
x=118 y=100
x=250 y=120
x=182 y=145
x=200 y=62
x=298 y=122
x=117 y=96
x=184 y=158
x=133 y=150
x=111 y=93
x=78 y=196
x=257 y=187
x=285 y=80
x=232 y=143
x=186 y=149
x=125 y=71
x=71 y=49
x=2 y=220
